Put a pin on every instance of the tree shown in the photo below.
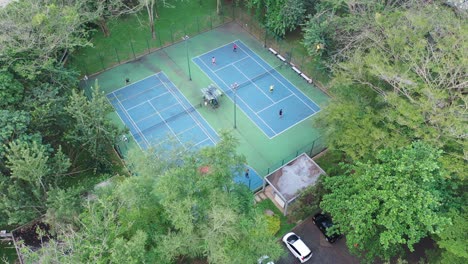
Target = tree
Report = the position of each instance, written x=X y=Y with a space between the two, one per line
x=452 y=241
x=11 y=90
x=389 y=204
x=13 y=125
x=92 y=131
x=149 y=6
x=102 y=11
x=33 y=171
x=167 y=212
x=402 y=79
x=280 y=16
x=210 y=214
x=37 y=33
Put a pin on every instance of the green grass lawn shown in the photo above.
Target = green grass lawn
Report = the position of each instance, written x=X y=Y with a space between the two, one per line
x=285 y=226
x=329 y=162
x=131 y=35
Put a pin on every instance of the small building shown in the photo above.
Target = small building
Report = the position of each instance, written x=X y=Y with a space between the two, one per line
x=285 y=184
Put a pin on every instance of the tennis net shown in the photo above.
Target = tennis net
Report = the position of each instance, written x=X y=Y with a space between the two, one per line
x=171 y=118
x=260 y=76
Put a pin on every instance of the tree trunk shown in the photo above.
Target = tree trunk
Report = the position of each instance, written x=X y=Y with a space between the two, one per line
x=150 y=10
x=104 y=28
x=219 y=9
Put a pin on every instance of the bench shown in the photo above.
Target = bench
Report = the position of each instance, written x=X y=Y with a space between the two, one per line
x=281 y=58
x=273 y=51
x=296 y=70
x=309 y=80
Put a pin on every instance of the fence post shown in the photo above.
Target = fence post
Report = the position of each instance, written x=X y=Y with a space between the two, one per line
x=265 y=39
x=148 y=45
x=233 y=12
x=101 y=58
x=198 y=25
x=302 y=63
x=211 y=21
x=160 y=42
x=172 y=35
x=131 y=45
x=312 y=148
x=117 y=54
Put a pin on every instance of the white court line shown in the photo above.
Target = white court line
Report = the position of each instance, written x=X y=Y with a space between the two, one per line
x=232 y=63
x=133 y=122
x=187 y=110
x=137 y=94
x=247 y=105
x=182 y=132
x=130 y=108
x=123 y=120
x=133 y=83
x=261 y=110
x=162 y=110
x=164 y=121
x=250 y=80
x=283 y=78
x=230 y=43
x=200 y=142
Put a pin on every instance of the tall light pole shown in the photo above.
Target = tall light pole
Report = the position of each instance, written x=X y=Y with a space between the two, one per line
x=186 y=38
x=234 y=89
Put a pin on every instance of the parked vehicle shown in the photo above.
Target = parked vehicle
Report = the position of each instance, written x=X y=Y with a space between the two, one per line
x=324 y=223
x=297 y=247
x=265 y=260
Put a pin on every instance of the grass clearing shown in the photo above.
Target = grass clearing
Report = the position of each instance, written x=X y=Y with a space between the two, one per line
x=285 y=226
x=131 y=35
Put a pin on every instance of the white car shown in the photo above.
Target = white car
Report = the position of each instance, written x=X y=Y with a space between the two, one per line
x=265 y=260
x=297 y=247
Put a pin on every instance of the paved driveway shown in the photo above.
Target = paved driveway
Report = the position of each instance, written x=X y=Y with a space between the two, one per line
x=323 y=252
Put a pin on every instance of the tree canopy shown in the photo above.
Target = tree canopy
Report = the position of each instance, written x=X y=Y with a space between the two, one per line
x=398 y=77
x=168 y=212
x=393 y=202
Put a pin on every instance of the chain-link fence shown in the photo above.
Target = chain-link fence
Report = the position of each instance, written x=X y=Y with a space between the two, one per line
x=93 y=60
x=292 y=50
x=311 y=149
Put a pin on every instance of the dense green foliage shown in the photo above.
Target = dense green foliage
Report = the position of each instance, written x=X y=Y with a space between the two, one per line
x=168 y=212
x=397 y=117
x=394 y=201
x=279 y=16
x=37 y=140
x=399 y=77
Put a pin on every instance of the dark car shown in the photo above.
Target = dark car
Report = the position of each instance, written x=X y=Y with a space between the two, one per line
x=324 y=223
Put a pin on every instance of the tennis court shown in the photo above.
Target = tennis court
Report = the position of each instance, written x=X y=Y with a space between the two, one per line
x=258 y=89
x=155 y=112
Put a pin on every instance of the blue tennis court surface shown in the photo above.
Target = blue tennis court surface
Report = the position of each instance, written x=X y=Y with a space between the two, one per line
x=254 y=77
x=251 y=179
x=155 y=111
